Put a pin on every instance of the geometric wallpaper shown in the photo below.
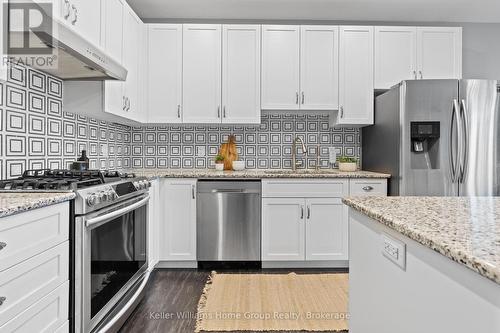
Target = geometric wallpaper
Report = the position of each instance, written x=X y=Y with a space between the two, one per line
x=36 y=133
x=264 y=146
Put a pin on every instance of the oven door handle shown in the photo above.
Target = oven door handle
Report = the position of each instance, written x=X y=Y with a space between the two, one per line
x=116 y=213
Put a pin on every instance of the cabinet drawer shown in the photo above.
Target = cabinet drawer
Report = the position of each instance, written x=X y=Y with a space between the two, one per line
x=28 y=234
x=24 y=284
x=45 y=316
x=368 y=187
x=311 y=188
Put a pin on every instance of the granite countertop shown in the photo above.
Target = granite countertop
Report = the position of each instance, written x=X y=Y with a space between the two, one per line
x=466 y=230
x=14 y=203
x=254 y=174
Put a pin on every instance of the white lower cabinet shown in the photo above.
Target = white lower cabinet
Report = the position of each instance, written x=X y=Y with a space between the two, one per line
x=178 y=220
x=326 y=229
x=154 y=223
x=283 y=229
x=45 y=316
x=304 y=228
x=34 y=270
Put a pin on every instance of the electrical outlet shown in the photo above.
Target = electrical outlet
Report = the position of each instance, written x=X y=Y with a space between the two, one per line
x=394 y=250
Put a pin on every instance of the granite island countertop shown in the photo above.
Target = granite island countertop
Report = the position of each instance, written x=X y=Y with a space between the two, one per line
x=254 y=174
x=13 y=203
x=466 y=230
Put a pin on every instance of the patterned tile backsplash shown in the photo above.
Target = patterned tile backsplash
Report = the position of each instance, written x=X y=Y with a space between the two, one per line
x=264 y=146
x=35 y=133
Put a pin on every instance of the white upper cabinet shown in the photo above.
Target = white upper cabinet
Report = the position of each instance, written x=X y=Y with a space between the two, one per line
x=356 y=72
x=112 y=32
x=319 y=67
x=241 y=74
x=164 y=92
x=202 y=73
x=84 y=16
x=439 y=53
x=280 y=67
x=132 y=27
x=395 y=55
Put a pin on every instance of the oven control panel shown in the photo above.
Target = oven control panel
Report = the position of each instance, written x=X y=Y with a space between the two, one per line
x=104 y=195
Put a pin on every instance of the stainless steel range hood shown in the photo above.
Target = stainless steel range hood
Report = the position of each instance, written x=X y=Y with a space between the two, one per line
x=74 y=58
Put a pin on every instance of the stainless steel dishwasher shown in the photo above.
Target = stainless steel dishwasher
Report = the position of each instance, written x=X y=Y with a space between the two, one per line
x=228 y=221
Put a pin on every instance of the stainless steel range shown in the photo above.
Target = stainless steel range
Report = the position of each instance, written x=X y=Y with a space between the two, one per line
x=108 y=242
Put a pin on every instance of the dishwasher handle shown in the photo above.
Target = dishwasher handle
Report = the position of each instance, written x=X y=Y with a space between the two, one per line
x=235 y=191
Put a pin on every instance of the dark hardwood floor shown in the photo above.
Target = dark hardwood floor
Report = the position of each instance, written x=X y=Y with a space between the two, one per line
x=175 y=292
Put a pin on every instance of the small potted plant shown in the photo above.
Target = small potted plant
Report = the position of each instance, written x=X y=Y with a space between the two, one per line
x=347 y=164
x=219 y=163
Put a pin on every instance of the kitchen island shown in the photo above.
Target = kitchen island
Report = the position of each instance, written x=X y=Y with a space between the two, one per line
x=424 y=264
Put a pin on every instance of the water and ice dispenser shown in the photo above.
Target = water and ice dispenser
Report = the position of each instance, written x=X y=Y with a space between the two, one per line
x=425 y=144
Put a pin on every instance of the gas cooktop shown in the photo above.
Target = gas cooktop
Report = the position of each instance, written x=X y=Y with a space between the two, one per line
x=61 y=180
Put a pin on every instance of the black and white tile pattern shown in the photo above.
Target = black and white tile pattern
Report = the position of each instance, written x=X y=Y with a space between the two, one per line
x=36 y=133
x=264 y=146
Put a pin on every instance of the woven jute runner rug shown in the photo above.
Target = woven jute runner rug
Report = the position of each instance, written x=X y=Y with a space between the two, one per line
x=274 y=302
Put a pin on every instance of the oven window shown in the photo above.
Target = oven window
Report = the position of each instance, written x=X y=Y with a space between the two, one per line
x=118 y=251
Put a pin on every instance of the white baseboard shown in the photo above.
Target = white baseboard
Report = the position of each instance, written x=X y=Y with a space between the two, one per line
x=306 y=264
x=177 y=264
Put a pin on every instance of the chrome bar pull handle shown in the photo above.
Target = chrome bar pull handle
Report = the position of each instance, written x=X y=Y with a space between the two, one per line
x=341 y=112
x=67 y=9
x=178 y=111
x=218 y=111
x=2 y=300
x=301 y=212
x=368 y=188
x=224 y=111
x=193 y=190
x=453 y=159
x=308 y=212
x=464 y=115
x=421 y=75
x=2 y=245
x=297 y=98
x=303 y=97
x=415 y=74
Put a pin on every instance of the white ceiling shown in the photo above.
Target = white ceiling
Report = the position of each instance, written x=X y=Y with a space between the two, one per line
x=335 y=10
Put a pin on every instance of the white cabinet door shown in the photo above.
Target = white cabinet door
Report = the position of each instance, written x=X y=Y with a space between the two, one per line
x=395 y=55
x=112 y=42
x=85 y=19
x=439 y=53
x=280 y=67
x=319 y=67
x=326 y=229
x=202 y=73
x=283 y=236
x=131 y=50
x=356 y=76
x=241 y=74
x=154 y=223
x=164 y=93
x=178 y=220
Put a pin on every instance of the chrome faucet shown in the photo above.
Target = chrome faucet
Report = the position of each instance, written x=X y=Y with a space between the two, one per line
x=296 y=163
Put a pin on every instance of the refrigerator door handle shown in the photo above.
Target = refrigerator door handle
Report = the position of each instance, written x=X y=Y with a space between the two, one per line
x=453 y=159
x=465 y=140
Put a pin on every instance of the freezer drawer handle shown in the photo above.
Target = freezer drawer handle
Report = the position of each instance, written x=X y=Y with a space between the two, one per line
x=368 y=188
x=2 y=245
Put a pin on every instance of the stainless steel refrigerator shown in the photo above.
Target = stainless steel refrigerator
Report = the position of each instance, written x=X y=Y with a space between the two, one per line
x=437 y=138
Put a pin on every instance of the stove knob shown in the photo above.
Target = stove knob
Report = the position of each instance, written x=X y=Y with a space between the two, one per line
x=136 y=185
x=102 y=196
x=92 y=199
x=149 y=184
